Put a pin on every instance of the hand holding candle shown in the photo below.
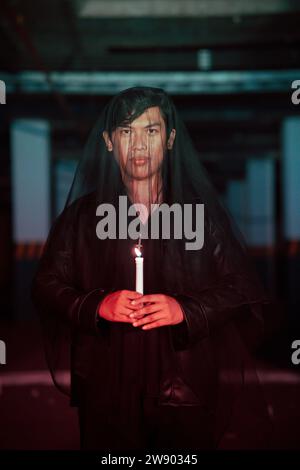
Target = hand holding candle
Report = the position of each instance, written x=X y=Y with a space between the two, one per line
x=158 y=310
x=139 y=268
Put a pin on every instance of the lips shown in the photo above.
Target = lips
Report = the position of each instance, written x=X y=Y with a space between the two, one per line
x=140 y=160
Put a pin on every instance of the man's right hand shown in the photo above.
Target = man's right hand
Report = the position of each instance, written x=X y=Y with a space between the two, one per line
x=117 y=307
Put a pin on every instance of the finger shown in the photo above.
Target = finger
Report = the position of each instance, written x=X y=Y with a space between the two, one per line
x=155 y=324
x=125 y=311
x=136 y=304
x=135 y=307
x=135 y=316
x=131 y=294
x=122 y=317
x=151 y=298
x=140 y=303
x=147 y=310
x=149 y=318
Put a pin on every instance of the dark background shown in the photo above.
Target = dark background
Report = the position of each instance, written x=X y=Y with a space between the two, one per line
x=229 y=66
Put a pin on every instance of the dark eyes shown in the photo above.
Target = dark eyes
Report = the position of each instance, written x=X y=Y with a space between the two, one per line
x=150 y=131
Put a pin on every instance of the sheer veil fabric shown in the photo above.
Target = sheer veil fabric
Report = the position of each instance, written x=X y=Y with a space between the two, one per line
x=140 y=148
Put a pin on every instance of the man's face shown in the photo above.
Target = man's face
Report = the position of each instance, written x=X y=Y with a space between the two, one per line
x=139 y=147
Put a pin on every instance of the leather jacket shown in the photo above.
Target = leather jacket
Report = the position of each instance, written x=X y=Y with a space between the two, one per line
x=71 y=283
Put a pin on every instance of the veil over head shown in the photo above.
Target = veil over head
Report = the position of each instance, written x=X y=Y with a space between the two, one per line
x=140 y=148
x=173 y=174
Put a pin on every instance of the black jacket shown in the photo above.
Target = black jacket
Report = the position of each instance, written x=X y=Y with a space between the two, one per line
x=223 y=315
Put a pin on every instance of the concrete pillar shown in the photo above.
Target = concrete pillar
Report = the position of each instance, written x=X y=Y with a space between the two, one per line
x=30 y=152
x=236 y=203
x=291 y=215
x=260 y=182
x=31 y=203
x=291 y=177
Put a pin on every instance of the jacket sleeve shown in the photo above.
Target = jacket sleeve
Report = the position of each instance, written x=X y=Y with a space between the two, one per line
x=54 y=292
x=235 y=293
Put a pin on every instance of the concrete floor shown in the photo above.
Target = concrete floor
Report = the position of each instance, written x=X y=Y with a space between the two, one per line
x=34 y=415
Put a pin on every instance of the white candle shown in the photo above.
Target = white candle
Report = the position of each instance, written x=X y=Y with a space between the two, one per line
x=139 y=269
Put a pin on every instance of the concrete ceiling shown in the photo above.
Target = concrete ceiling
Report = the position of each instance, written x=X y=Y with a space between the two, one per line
x=243 y=53
x=139 y=35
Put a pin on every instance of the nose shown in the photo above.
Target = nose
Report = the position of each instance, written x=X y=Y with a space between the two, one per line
x=139 y=141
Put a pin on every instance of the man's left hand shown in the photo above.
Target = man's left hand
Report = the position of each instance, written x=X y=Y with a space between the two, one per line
x=159 y=310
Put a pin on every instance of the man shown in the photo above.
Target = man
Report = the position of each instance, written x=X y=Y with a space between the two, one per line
x=122 y=306
x=163 y=369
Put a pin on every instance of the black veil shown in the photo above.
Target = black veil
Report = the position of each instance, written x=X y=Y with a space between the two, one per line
x=184 y=179
x=217 y=285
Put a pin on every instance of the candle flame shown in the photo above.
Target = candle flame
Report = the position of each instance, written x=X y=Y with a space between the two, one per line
x=138 y=251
